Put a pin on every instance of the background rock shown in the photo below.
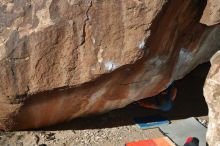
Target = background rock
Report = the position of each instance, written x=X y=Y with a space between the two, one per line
x=211 y=13
x=212 y=95
x=64 y=59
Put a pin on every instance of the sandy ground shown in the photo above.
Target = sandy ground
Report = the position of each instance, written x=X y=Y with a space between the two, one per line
x=116 y=128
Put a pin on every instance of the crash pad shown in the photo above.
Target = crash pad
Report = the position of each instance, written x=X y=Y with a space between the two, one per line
x=179 y=130
x=163 y=141
x=151 y=121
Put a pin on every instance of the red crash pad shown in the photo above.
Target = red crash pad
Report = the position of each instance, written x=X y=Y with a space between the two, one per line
x=163 y=141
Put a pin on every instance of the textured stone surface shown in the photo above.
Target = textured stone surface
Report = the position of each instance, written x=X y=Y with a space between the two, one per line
x=50 y=44
x=212 y=95
x=211 y=13
x=64 y=59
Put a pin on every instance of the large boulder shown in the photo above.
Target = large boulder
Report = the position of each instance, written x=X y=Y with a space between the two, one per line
x=212 y=96
x=64 y=59
x=211 y=15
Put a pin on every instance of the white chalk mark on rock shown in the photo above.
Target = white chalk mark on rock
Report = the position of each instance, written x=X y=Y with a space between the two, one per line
x=185 y=57
x=100 y=59
x=142 y=45
x=110 y=65
x=93 y=40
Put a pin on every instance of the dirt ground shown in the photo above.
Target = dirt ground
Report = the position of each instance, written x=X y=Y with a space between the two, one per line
x=116 y=128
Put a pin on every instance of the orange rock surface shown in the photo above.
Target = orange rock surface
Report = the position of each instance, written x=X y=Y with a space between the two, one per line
x=63 y=59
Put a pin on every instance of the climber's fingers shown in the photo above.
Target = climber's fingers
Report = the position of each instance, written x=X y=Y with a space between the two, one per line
x=148 y=105
x=173 y=94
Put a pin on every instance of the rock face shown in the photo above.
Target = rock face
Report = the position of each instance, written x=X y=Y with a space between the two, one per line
x=212 y=94
x=211 y=16
x=64 y=59
x=211 y=13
